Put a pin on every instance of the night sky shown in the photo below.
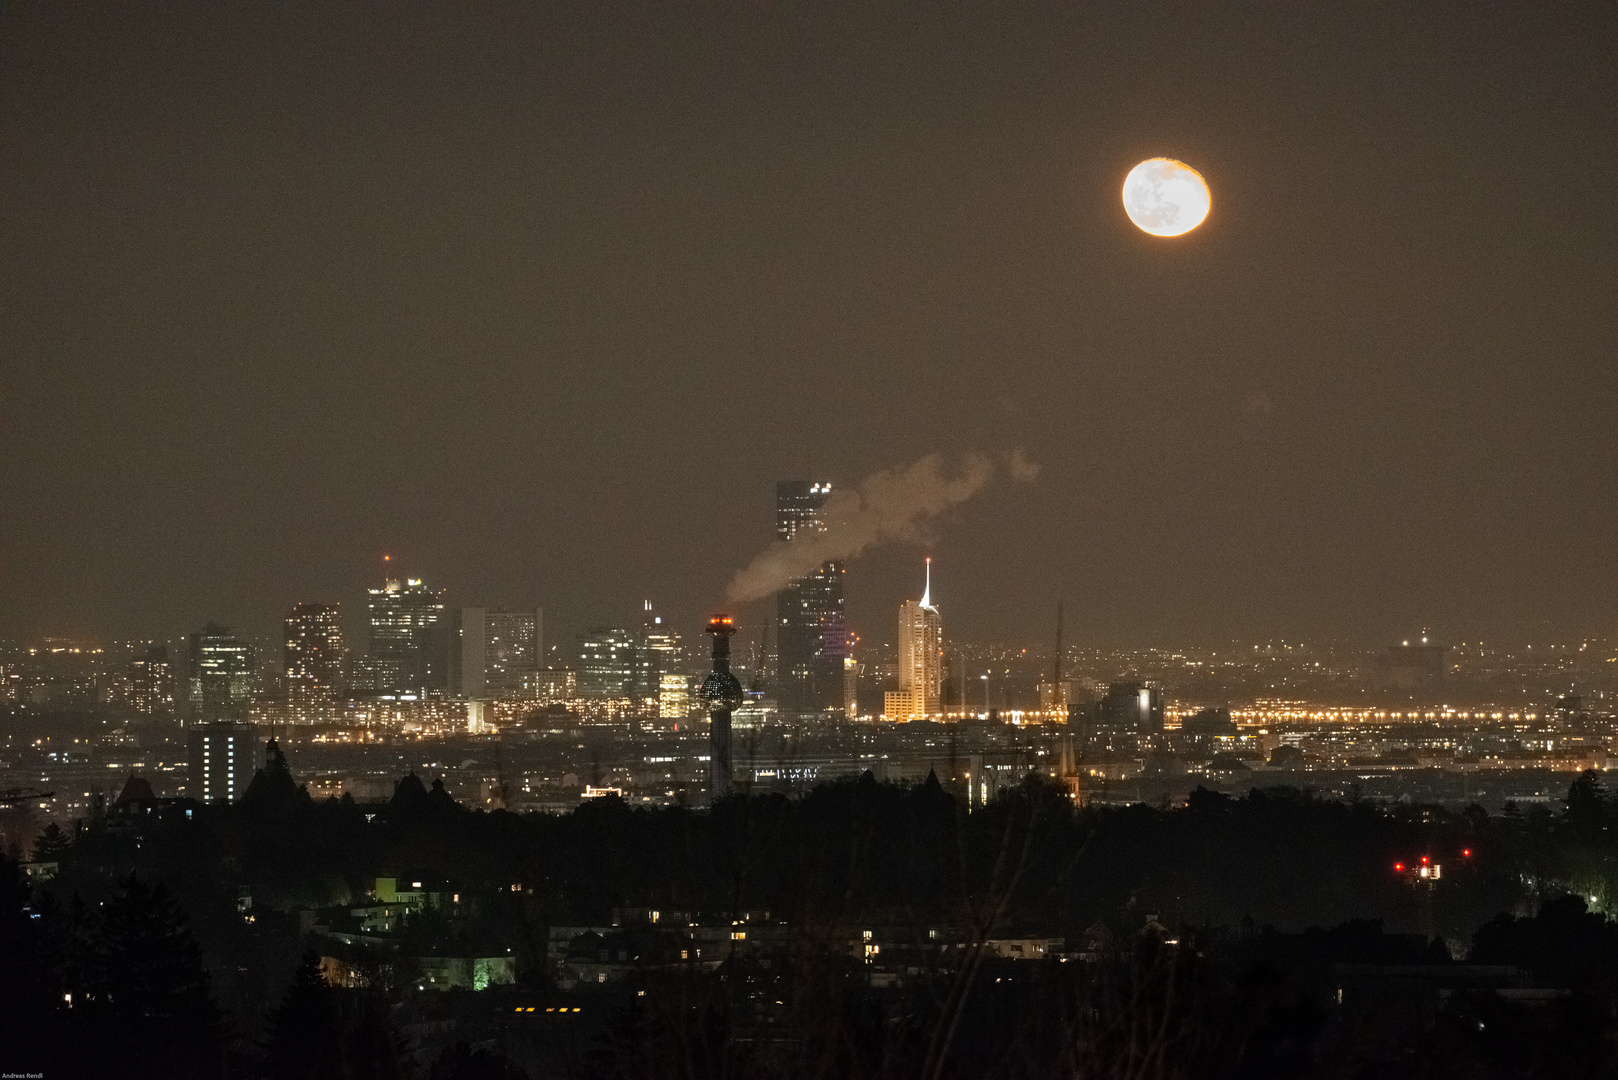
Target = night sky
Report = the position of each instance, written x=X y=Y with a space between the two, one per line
x=543 y=302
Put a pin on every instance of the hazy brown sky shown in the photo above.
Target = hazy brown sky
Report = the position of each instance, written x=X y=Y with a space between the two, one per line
x=543 y=299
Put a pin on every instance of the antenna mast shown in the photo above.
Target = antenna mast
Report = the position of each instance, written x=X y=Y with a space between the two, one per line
x=1056 y=673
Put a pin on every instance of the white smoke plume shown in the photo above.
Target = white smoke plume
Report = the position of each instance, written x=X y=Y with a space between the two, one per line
x=893 y=504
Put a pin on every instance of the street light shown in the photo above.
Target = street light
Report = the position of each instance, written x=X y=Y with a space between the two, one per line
x=985 y=678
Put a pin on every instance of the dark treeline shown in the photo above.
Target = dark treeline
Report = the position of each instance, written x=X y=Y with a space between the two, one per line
x=860 y=850
x=139 y=952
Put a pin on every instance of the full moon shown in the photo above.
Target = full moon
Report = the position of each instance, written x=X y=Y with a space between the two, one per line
x=1165 y=197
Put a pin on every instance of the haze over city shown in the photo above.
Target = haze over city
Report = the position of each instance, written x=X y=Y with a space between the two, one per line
x=545 y=308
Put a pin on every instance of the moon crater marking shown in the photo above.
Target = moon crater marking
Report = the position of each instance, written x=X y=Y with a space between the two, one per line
x=1165 y=197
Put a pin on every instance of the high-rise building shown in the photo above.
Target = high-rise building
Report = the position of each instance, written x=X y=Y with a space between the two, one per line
x=921 y=659
x=811 y=634
x=659 y=654
x=608 y=663
x=1130 y=707
x=222 y=760
x=221 y=675
x=851 y=687
x=313 y=644
x=674 y=696
x=405 y=621
x=798 y=508
x=151 y=682
x=553 y=684
x=1412 y=664
x=495 y=653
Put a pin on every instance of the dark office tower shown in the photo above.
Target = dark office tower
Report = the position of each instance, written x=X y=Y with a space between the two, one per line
x=720 y=693
x=607 y=661
x=221 y=674
x=1131 y=707
x=405 y=622
x=1412 y=664
x=811 y=638
x=314 y=655
x=151 y=682
x=495 y=654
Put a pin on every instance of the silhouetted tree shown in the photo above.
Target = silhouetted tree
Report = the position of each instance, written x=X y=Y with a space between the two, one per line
x=1562 y=943
x=304 y=1040
x=148 y=1010
x=27 y=998
x=371 y=1050
x=461 y=1062
x=52 y=844
x=1589 y=811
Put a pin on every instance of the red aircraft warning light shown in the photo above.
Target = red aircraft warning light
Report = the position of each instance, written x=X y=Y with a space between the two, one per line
x=1466 y=853
x=1425 y=872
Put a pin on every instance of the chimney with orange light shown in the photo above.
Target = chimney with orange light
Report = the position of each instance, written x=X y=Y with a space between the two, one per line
x=719 y=694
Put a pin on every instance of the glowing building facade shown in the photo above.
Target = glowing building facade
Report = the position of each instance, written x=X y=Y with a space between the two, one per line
x=150 y=684
x=405 y=620
x=811 y=630
x=222 y=760
x=921 y=659
x=313 y=653
x=221 y=676
x=609 y=663
x=674 y=696
x=660 y=654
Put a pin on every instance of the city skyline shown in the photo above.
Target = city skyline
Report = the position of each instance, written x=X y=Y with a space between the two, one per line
x=468 y=471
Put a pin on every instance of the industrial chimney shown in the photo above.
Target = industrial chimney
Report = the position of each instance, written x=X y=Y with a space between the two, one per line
x=720 y=693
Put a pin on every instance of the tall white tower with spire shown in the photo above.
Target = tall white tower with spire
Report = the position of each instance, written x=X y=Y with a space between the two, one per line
x=921 y=659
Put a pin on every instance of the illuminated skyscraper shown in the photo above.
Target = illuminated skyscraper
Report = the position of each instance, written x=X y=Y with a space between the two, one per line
x=494 y=653
x=405 y=618
x=921 y=659
x=674 y=696
x=798 y=506
x=608 y=663
x=313 y=655
x=221 y=674
x=221 y=760
x=659 y=654
x=151 y=682
x=811 y=636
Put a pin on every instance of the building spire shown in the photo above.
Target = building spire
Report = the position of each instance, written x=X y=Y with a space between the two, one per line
x=927 y=593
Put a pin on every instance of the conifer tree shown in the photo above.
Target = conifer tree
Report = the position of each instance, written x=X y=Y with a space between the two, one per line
x=52 y=844
x=305 y=1039
x=26 y=1006
x=149 y=1010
